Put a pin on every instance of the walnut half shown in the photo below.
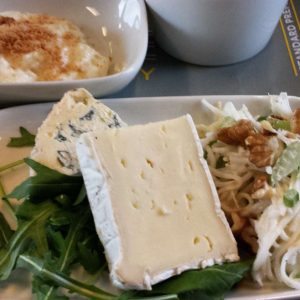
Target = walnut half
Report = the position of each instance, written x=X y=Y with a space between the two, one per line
x=296 y=121
x=236 y=134
x=260 y=182
x=262 y=149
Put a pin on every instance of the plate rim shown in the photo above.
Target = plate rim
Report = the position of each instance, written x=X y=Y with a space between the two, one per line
x=280 y=295
x=155 y=99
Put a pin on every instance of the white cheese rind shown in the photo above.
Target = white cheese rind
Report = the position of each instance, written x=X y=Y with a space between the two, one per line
x=98 y=193
x=145 y=233
x=76 y=113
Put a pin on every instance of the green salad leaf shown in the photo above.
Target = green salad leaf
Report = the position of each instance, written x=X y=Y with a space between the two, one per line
x=210 y=283
x=88 y=257
x=288 y=162
x=47 y=183
x=290 y=198
x=280 y=124
x=52 y=229
x=56 y=278
x=5 y=232
x=261 y=118
x=26 y=139
x=8 y=217
x=67 y=253
x=31 y=228
x=56 y=232
x=81 y=196
x=213 y=281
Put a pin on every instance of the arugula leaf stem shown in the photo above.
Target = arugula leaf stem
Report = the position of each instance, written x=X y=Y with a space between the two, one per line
x=2 y=191
x=46 y=181
x=11 y=165
x=2 y=196
x=81 y=195
x=73 y=285
x=4 y=236
x=20 y=238
x=163 y=297
x=28 y=226
x=63 y=281
x=71 y=240
x=5 y=232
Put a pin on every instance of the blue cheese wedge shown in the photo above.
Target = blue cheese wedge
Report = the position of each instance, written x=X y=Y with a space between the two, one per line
x=154 y=203
x=77 y=112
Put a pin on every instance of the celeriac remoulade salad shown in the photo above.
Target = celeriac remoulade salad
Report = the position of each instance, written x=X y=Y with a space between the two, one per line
x=164 y=209
x=255 y=164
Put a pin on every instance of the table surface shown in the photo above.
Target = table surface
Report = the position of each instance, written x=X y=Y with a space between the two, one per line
x=275 y=69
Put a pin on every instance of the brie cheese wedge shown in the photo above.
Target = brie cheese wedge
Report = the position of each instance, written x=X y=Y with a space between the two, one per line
x=76 y=113
x=154 y=203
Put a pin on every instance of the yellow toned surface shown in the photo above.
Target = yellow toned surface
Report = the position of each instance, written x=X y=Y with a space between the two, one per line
x=163 y=203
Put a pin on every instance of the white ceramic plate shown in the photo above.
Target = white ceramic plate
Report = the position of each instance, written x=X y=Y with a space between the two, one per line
x=117 y=28
x=132 y=111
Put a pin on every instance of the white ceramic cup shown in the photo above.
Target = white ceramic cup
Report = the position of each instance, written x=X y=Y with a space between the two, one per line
x=214 y=32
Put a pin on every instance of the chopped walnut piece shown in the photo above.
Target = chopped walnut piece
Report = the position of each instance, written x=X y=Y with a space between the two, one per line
x=296 y=121
x=236 y=134
x=262 y=149
x=260 y=182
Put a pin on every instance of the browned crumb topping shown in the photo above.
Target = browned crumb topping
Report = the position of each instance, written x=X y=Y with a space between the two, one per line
x=6 y=20
x=20 y=37
x=23 y=37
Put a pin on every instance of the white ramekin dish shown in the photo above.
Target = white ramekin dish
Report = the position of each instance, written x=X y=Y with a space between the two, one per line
x=117 y=28
x=214 y=32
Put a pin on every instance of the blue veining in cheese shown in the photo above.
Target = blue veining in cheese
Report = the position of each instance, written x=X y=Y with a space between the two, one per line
x=77 y=112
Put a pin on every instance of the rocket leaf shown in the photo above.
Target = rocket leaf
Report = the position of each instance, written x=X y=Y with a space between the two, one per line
x=89 y=257
x=5 y=232
x=67 y=253
x=29 y=230
x=25 y=140
x=56 y=231
x=210 y=283
x=38 y=268
x=210 y=280
x=47 y=183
